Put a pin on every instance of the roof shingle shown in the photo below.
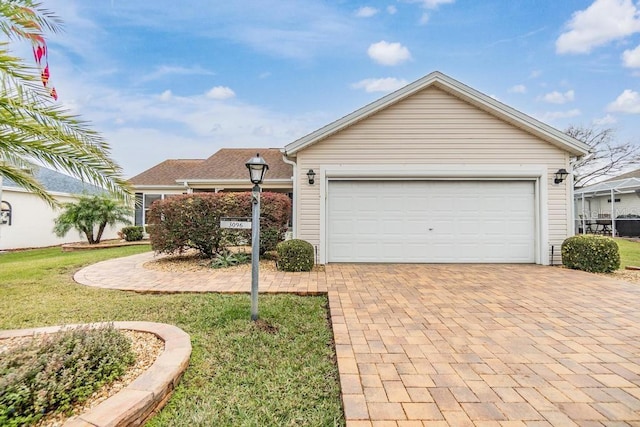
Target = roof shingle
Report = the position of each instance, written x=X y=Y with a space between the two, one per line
x=167 y=172
x=225 y=164
x=229 y=163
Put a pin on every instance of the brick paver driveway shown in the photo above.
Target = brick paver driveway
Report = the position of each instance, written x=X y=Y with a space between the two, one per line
x=484 y=345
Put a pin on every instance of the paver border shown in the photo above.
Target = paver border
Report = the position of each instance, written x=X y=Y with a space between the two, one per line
x=148 y=393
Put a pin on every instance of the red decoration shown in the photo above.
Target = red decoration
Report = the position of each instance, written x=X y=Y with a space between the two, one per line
x=39 y=52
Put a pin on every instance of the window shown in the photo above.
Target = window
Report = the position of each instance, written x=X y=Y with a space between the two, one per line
x=143 y=204
x=5 y=213
x=148 y=201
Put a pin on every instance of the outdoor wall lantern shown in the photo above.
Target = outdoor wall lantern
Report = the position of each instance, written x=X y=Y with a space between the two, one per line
x=560 y=175
x=311 y=175
x=257 y=168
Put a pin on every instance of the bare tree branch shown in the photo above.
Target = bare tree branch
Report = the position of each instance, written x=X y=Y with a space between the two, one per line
x=608 y=157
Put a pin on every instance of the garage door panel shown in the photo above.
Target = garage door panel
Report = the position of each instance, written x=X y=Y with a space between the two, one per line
x=431 y=221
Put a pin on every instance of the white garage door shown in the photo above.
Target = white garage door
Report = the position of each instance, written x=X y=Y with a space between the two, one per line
x=431 y=221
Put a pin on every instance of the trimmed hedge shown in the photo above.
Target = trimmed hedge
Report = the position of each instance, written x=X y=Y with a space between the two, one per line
x=595 y=254
x=295 y=255
x=132 y=233
x=193 y=221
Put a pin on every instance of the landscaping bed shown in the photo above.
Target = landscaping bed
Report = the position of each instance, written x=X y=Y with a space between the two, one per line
x=279 y=371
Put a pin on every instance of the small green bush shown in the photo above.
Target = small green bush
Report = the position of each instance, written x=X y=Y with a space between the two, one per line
x=295 y=255
x=53 y=374
x=269 y=239
x=596 y=254
x=133 y=233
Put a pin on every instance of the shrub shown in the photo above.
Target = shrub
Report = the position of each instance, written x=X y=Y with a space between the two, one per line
x=596 y=254
x=64 y=368
x=269 y=239
x=193 y=220
x=295 y=255
x=132 y=233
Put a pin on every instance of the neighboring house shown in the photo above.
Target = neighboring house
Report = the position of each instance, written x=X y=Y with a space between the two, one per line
x=435 y=172
x=614 y=197
x=27 y=221
x=223 y=171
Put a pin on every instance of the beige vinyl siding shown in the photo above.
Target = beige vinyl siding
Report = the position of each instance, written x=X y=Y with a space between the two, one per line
x=431 y=127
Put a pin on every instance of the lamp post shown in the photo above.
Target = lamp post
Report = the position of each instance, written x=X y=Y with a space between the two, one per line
x=257 y=168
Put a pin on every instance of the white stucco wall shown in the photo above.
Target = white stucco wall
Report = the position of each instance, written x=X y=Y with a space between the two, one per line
x=33 y=220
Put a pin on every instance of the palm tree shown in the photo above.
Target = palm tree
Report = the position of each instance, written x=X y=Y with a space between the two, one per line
x=90 y=212
x=32 y=126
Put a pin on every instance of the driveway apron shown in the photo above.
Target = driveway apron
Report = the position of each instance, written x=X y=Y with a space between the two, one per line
x=477 y=345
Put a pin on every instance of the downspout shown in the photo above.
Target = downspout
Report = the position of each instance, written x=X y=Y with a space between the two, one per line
x=294 y=178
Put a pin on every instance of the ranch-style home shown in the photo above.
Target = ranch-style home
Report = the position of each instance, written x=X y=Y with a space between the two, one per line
x=223 y=171
x=435 y=172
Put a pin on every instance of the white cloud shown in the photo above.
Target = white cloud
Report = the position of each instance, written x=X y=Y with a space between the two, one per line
x=627 y=102
x=388 y=53
x=518 y=89
x=166 y=95
x=392 y=10
x=606 y=120
x=535 y=74
x=424 y=19
x=366 y=12
x=388 y=84
x=555 y=115
x=599 y=24
x=556 y=97
x=221 y=93
x=631 y=58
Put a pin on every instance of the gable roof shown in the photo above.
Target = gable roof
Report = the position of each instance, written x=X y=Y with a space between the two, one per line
x=229 y=164
x=459 y=90
x=54 y=181
x=166 y=173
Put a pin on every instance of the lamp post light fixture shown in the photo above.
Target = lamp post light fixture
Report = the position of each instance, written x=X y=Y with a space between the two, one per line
x=560 y=176
x=257 y=169
x=311 y=175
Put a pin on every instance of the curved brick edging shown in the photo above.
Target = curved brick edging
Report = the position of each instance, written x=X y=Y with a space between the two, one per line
x=72 y=247
x=148 y=393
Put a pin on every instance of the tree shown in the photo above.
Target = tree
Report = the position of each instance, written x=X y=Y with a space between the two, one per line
x=32 y=126
x=607 y=158
x=90 y=212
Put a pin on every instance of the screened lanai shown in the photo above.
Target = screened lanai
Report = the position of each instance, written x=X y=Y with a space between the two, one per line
x=609 y=208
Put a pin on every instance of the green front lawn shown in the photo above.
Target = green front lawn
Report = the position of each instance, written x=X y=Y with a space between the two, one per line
x=276 y=372
x=629 y=253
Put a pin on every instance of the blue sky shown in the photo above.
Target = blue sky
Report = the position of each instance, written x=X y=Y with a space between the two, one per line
x=165 y=79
